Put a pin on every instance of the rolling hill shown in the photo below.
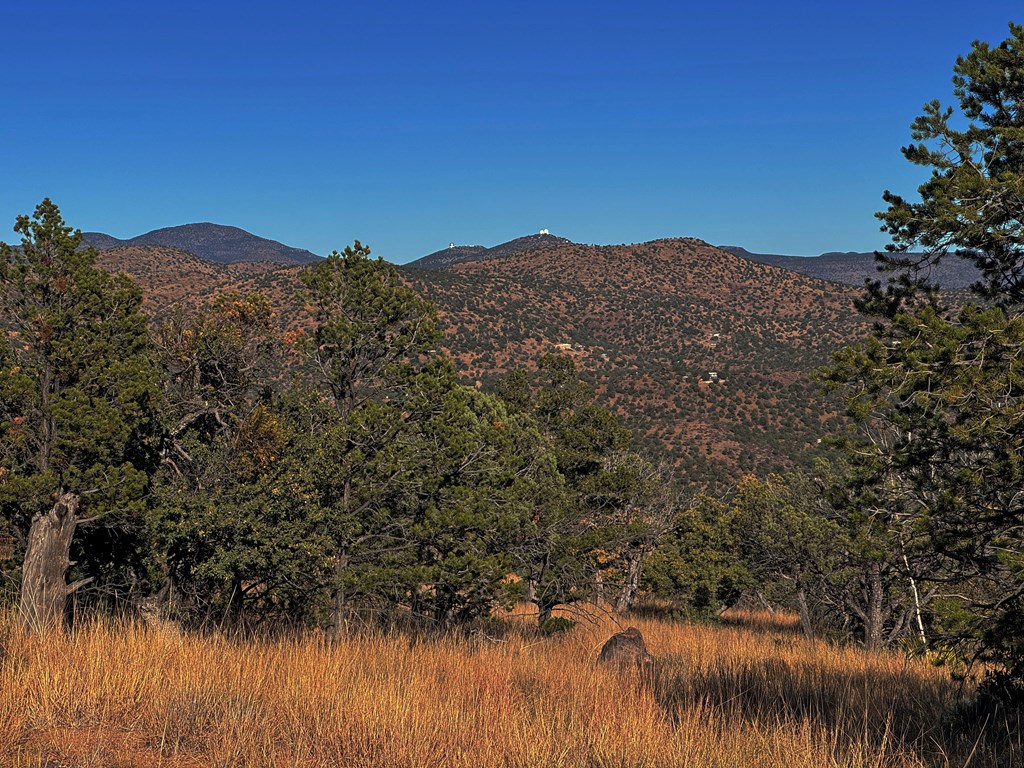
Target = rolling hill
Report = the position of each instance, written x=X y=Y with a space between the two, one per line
x=170 y=276
x=212 y=242
x=457 y=254
x=706 y=355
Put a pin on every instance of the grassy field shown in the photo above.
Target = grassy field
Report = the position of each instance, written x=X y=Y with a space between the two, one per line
x=752 y=694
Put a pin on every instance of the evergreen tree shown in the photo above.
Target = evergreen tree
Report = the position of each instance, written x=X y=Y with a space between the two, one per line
x=242 y=531
x=369 y=328
x=225 y=444
x=696 y=565
x=567 y=551
x=78 y=389
x=971 y=204
x=938 y=390
x=369 y=336
x=638 y=506
x=784 y=539
x=937 y=463
x=476 y=473
x=215 y=362
x=830 y=547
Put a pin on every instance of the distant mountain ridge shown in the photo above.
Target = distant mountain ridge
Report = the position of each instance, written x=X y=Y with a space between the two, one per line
x=213 y=242
x=846 y=268
x=457 y=254
x=853 y=268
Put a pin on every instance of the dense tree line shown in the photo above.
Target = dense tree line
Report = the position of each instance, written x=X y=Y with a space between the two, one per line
x=228 y=475
x=937 y=388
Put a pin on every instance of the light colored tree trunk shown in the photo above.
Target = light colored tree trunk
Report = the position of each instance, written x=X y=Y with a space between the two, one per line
x=339 y=600
x=917 y=602
x=537 y=570
x=632 y=583
x=765 y=602
x=43 y=586
x=805 y=612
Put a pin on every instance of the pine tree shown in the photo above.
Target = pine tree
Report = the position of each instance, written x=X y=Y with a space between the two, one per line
x=938 y=390
x=567 y=550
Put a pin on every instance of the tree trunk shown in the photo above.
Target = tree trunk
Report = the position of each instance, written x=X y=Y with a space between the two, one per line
x=765 y=602
x=537 y=570
x=805 y=612
x=235 y=606
x=875 y=618
x=339 y=600
x=917 y=602
x=632 y=583
x=43 y=586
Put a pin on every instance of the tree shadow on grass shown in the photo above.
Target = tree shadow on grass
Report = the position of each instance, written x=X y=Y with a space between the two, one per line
x=887 y=712
x=767 y=622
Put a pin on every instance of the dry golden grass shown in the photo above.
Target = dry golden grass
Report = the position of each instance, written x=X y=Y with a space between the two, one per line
x=114 y=696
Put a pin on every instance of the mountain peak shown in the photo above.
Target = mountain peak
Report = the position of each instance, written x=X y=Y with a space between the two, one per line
x=212 y=242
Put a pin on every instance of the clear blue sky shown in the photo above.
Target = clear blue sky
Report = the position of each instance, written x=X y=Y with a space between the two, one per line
x=407 y=125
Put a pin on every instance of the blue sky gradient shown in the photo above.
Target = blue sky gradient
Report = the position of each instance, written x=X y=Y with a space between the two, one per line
x=775 y=126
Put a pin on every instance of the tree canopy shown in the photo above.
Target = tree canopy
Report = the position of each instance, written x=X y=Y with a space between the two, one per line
x=937 y=390
x=971 y=204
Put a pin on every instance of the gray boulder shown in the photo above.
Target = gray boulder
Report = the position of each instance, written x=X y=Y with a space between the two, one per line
x=627 y=649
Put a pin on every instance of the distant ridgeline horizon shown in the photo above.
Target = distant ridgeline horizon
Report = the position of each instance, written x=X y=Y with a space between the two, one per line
x=224 y=244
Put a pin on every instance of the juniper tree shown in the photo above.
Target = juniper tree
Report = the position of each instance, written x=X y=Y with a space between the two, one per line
x=78 y=389
x=368 y=334
x=559 y=560
x=474 y=476
x=215 y=363
x=368 y=326
x=638 y=506
x=242 y=530
x=784 y=539
x=427 y=485
x=239 y=528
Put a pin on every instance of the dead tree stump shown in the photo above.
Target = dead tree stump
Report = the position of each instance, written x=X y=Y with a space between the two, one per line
x=43 y=588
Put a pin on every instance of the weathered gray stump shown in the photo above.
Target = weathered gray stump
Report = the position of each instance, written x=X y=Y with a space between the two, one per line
x=43 y=589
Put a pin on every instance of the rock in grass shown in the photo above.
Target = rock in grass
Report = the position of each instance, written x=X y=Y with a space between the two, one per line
x=627 y=649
